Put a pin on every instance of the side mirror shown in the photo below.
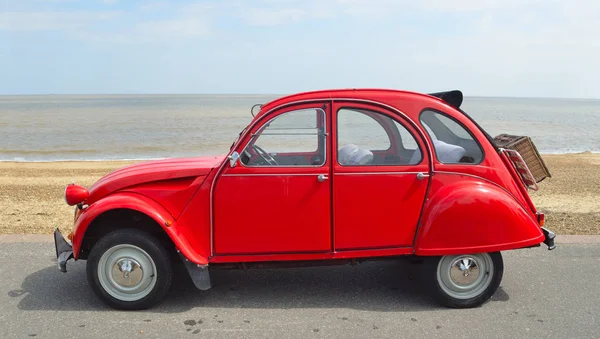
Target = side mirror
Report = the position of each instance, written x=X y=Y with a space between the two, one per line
x=233 y=158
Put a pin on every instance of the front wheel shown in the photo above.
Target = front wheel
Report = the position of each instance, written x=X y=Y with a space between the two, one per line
x=463 y=281
x=129 y=269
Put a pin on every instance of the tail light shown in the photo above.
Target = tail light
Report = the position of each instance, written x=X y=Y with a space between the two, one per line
x=541 y=219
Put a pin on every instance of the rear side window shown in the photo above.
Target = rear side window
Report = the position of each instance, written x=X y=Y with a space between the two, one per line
x=367 y=137
x=452 y=141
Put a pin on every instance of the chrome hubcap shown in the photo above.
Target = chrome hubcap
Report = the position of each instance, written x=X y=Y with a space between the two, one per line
x=465 y=276
x=127 y=272
x=464 y=271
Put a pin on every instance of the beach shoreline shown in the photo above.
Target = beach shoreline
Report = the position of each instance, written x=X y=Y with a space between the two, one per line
x=31 y=193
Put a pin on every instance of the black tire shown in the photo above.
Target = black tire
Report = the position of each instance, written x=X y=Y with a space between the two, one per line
x=448 y=297
x=155 y=251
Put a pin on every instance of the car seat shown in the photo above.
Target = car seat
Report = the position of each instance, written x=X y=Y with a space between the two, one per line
x=446 y=153
x=351 y=154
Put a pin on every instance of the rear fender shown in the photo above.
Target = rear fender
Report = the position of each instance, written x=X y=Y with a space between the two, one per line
x=147 y=206
x=473 y=216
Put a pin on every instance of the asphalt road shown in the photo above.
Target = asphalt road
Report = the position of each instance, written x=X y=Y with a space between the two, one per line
x=544 y=294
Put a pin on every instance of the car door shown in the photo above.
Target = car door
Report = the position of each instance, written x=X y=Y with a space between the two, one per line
x=380 y=177
x=277 y=199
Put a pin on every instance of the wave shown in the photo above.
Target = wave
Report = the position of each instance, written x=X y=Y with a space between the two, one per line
x=20 y=159
x=44 y=152
x=148 y=158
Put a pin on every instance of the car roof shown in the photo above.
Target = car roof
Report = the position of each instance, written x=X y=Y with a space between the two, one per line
x=453 y=98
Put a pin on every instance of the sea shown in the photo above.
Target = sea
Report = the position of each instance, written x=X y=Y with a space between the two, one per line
x=40 y=128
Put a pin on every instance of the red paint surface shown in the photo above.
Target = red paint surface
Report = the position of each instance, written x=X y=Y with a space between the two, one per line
x=222 y=214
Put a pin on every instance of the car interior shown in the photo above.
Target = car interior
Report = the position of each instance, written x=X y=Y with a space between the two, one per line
x=452 y=142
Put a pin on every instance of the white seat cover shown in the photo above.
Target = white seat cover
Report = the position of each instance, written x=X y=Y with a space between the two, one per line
x=345 y=152
x=360 y=157
x=351 y=154
x=445 y=152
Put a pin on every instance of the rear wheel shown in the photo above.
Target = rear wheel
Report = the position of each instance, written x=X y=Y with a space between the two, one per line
x=463 y=281
x=129 y=269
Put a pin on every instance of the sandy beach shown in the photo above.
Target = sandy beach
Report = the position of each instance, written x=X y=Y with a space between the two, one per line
x=31 y=194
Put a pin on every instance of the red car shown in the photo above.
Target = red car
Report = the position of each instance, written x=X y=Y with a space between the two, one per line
x=320 y=177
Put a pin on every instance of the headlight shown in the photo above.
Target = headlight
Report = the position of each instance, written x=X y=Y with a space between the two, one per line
x=75 y=194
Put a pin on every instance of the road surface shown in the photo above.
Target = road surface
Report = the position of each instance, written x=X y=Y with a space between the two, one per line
x=544 y=294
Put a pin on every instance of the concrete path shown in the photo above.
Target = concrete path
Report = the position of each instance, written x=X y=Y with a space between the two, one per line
x=544 y=294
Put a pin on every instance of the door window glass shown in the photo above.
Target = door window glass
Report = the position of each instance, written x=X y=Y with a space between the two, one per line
x=365 y=137
x=295 y=138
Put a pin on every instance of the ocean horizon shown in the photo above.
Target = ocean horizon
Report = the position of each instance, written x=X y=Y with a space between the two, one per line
x=101 y=127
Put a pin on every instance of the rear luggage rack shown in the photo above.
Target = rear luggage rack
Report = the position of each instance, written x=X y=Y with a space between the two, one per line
x=527 y=152
x=522 y=168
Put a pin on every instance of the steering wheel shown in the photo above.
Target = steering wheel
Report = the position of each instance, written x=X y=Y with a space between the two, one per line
x=263 y=154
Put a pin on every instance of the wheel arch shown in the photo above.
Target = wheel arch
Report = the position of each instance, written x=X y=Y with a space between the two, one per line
x=131 y=210
x=473 y=216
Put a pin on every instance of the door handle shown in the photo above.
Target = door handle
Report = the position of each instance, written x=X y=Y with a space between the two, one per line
x=322 y=177
x=422 y=175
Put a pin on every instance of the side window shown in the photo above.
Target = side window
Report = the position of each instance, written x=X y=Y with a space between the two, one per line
x=452 y=141
x=295 y=138
x=366 y=137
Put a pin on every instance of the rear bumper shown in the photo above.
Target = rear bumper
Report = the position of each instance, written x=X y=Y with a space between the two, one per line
x=64 y=250
x=549 y=238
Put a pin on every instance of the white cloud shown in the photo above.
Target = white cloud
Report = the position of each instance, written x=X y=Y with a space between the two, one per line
x=272 y=17
x=189 y=21
x=41 y=21
x=494 y=47
x=153 y=6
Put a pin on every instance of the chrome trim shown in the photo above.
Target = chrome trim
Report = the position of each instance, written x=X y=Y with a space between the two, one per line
x=233 y=158
x=422 y=175
x=127 y=272
x=464 y=271
x=374 y=173
x=518 y=155
x=269 y=175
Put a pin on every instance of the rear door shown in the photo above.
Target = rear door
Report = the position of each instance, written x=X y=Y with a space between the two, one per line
x=380 y=177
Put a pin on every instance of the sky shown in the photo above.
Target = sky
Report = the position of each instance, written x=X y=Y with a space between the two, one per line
x=523 y=48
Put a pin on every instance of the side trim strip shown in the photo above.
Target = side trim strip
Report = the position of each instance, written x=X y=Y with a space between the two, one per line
x=375 y=173
x=273 y=175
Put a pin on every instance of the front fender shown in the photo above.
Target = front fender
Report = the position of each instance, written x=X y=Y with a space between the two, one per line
x=473 y=216
x=141 y=204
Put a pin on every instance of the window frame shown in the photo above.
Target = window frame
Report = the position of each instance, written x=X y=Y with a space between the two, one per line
x=358 y=110
x=468 y=130
x=258 y=132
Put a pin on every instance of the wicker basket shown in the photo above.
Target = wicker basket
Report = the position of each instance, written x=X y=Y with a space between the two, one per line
x=528 y=151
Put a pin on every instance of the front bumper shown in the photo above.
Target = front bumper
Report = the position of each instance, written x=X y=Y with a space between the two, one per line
x=549 y=238
x=64 y=250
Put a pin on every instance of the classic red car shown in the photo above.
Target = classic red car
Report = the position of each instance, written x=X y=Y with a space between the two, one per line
x=320 y=177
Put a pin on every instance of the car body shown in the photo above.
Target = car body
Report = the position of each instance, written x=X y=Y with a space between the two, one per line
x=316 y=177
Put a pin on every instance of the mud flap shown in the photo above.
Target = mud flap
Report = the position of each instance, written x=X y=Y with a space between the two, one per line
x=199 y=273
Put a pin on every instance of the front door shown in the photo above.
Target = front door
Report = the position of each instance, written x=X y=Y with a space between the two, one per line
x=277 y=199
x=380 y=177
